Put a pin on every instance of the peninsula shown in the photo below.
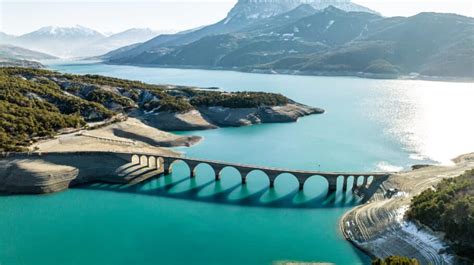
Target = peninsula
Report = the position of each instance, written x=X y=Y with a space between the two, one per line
x=37 y=104
x=380 y=227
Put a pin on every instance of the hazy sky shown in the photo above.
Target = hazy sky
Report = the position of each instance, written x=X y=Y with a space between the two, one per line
x=22 y=16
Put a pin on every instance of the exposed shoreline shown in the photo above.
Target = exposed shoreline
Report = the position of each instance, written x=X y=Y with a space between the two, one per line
x=36 y=174
x=379 y=229
x=306 y=73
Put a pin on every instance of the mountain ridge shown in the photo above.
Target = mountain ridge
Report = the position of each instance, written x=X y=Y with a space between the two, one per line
x=243 y=14
x=326 y=41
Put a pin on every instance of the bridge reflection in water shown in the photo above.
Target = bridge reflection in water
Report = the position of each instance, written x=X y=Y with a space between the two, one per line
x=229 y=183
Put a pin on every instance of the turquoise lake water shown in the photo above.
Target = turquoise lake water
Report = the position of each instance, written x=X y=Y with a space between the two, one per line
x=373 y=125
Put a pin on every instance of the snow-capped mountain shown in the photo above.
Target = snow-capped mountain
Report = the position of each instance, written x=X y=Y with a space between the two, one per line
x=59 y=41
x=258 y=9
x=244 y=14
x=77 y=41
x=307 y=40
x=63 y=33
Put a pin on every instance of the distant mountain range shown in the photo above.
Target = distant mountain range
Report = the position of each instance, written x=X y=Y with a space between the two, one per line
x=14 y=52
x=298 y=36
x=76 y=41
x=16 y=56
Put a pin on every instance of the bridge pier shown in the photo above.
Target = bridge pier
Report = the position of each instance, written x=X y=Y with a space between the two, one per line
x=244 y=180
x=272 y=184
x=354 y=184
x=218 y=176
x=193 y=173
x=332 y=188
x=301 y=186
x=344 y=183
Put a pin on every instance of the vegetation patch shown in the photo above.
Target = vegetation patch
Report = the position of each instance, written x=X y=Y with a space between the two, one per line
x=449 y=208
x=38 y=103
x=395 y=260
x=238 y=99
x=27 y=110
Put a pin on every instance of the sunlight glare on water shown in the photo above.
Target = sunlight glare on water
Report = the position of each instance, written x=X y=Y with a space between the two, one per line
x=433 y=120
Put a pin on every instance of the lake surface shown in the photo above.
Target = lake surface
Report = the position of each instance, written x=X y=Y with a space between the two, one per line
x=370 y=125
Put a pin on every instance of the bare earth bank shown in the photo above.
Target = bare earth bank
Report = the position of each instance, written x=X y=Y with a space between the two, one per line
x=379 y=228
x=46 y=174
x=214 y=117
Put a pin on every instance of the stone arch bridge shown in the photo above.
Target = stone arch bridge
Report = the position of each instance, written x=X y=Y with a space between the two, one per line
x=165 y=163
x=104 y=165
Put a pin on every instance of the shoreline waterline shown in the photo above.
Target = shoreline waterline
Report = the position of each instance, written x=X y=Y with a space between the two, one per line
x=368 y=121
x=378 y=227
x=362 y=75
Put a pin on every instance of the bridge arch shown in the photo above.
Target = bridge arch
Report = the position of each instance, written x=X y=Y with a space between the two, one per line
x=144 y=160
x=370 y=180
x=174 y=163
x=319 y=182
x=202 y=166
x=341 y=182
x=350 y=182
x=252 y=177
x=135 y=159
x=359 y=181
x=289 y=178
x=160 y=162
x=231 y=172
x=152 y=162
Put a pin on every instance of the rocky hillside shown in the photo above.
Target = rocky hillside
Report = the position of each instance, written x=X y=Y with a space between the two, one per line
x=311 y=41
x=39 y=103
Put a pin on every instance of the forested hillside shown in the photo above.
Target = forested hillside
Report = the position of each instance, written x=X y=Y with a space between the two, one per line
x=449 y=208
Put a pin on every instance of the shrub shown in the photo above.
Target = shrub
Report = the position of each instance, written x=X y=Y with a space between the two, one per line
x=449 y=208
x=395 y=260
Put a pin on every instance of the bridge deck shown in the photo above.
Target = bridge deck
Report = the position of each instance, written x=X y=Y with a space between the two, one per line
x=275 y=169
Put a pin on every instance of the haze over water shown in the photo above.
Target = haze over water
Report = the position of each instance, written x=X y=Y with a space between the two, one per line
x=370 y=125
